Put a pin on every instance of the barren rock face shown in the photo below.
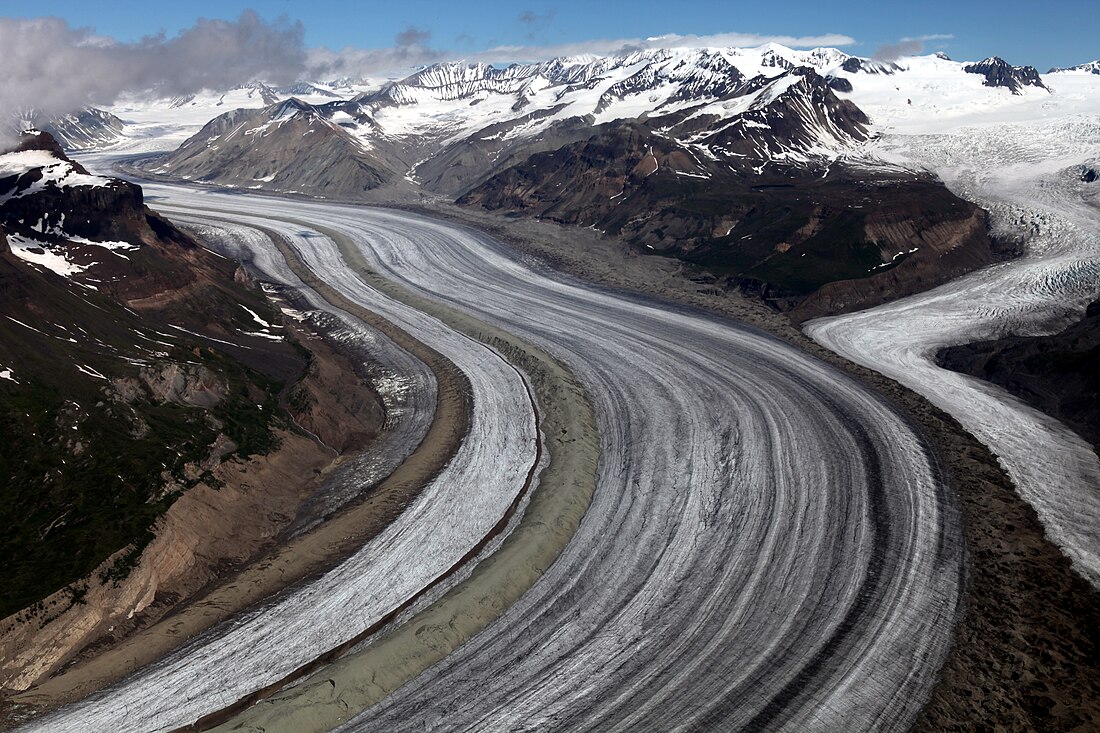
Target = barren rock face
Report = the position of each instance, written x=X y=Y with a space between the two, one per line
x=289 y=146
x=847 y=241
x=185 y=384
x=998 y=73
x=95 y=208
x=1057 y=374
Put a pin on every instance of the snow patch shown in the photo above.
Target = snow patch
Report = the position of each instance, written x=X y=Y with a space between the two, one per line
x=85 y=369
x=256 y=317
x=44 y=255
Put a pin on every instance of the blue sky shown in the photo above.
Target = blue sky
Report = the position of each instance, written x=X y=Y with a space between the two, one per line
x=1058 y=33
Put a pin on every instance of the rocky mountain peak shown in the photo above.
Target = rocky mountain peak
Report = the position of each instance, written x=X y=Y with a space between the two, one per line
x=438 y=75
x=289 y=108
x=33 y=139
x=999 y=73
x=47 y=198
x=869 y=66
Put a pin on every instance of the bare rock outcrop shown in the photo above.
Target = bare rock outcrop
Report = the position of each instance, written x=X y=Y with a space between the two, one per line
x=184 y=384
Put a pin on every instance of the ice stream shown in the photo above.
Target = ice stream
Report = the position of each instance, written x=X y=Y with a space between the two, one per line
x=1028 y=177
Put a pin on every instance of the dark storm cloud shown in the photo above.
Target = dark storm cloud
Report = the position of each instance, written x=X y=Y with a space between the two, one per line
x=536 y=24
x=894 y=51
x=907 y=47
x=413 y=36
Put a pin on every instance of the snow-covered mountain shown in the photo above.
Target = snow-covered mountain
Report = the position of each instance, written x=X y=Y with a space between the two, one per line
x=450 y=125
x=677 y=150
x=162 y=123
x=1092 y=67
x=84 y=129
x=452 y=103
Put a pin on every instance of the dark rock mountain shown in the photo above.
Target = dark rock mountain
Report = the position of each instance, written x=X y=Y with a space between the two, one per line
x=999 y=73
x=38 y=202
x=840 y=84
x=816 y=245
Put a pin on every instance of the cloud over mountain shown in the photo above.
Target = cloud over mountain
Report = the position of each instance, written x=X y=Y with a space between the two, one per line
x=54 y=68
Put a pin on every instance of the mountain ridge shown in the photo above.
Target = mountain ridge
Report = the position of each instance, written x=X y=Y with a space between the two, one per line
x=101 y=300
x=638 y=133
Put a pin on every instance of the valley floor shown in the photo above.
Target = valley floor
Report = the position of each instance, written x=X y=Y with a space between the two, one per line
x=1027 y=654
x=1027 y=647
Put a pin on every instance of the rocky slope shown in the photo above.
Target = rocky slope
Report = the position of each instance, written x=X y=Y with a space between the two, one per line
x=289 y=146
x=86 y=128
x=816 y=235
x=133 y=363
x=1058 y=374
x=150 y=399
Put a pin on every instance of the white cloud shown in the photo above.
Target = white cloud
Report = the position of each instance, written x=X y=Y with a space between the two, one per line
x=365 y=63
x=54 y=68
x=932 y=37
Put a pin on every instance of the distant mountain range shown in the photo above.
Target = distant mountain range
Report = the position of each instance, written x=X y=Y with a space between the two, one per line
x=750 y=163
x=451 y=126
x=1092 y=67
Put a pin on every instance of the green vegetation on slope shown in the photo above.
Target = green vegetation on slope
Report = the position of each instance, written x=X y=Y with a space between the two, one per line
x=90 y=456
